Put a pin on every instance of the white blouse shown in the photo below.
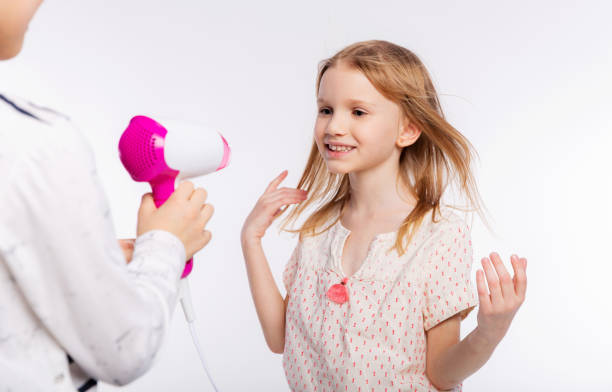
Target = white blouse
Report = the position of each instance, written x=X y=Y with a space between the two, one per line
x=373 y=337
x=66 y=292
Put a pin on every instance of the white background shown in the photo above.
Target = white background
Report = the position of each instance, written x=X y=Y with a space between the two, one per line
x=527 y=82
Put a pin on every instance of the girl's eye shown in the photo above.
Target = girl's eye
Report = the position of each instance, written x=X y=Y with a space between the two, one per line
x=358 y=112
x=325 y=111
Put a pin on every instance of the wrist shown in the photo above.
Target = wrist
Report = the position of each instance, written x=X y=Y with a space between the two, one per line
x=249 y=241
x=480 y=341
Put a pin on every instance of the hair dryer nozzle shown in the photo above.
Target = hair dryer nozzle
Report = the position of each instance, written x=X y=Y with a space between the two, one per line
x=227 y=152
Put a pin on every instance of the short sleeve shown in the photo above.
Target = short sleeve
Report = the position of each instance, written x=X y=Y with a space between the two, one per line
x=447 y=285
x=292 y=267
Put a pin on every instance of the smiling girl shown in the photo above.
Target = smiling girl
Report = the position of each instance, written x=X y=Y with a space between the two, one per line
x=380 y=278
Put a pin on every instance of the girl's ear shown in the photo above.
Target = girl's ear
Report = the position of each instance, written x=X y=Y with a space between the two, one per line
x=408 y=133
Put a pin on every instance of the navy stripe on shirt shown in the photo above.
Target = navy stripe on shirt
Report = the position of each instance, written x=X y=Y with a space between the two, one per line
x=88 y=385
x=19 y=109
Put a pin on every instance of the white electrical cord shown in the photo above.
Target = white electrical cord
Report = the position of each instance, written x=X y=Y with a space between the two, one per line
x=185 y=298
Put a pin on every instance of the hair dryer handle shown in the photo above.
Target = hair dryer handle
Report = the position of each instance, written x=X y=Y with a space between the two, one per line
x=162 y=190
x=188 y=268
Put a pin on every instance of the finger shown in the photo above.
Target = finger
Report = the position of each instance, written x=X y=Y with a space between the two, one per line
x=520 y=277
x=206 y=213
x=286 y=192
x=514 y=260
x=275 y=204
x=284 y=189
x=505 y=280
x=183 y=191
x=147 y=204
x=493 y=281
x=483 y=293
x=206 y=237
x=279 y=211
x=127 y=247
x=199 y=196
x=275 y=182
x=127 y=242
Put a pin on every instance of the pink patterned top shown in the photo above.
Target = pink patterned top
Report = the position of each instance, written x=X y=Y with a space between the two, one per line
x=376 y=340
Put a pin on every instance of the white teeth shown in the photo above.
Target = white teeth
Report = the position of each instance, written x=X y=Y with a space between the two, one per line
x=340 y=148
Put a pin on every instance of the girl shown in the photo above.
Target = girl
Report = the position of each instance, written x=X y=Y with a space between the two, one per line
x=71 y=311
x=380 y=278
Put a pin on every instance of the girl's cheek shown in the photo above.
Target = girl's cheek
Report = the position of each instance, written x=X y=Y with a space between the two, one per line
x=319 y=132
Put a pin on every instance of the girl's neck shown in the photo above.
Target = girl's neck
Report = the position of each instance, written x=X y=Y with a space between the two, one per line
x=377 y=194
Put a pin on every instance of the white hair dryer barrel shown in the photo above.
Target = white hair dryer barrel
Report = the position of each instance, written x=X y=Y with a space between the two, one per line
x=195 y=150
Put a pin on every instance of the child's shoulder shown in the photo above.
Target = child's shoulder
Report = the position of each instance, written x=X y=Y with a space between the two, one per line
x=447 y=221
x=32 y=131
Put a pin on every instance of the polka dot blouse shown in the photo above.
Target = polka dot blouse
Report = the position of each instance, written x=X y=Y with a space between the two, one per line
x=374 y=340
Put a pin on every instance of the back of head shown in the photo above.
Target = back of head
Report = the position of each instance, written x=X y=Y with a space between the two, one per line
x=440 y=155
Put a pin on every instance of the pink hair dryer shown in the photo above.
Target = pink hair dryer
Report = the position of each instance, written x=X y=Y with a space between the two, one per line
x=160 y=156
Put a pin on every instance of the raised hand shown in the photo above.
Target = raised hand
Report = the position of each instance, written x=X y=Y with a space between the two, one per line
x=268 y=207
x=500 y=302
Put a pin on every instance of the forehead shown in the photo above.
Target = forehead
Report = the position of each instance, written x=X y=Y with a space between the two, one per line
x=342 y=82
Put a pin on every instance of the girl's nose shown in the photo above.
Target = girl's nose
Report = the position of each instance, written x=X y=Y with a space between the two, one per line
x=335 y=127
x=336 y=132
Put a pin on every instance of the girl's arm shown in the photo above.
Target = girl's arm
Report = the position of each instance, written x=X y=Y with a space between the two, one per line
x=269 y=303
x=450 y=361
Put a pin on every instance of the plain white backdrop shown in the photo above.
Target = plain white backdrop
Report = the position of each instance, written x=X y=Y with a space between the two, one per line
x=527 y=82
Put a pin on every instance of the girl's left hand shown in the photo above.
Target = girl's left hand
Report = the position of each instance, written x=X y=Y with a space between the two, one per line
x=127 y=246
x=499 y=304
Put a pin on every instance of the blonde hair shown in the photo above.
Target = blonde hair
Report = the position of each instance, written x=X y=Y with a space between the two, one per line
x=426 y=167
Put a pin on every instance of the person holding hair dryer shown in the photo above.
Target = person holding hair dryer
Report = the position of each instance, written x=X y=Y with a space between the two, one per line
x=72 y=311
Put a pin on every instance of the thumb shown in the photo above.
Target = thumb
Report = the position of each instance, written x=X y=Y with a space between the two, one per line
x=147 y=204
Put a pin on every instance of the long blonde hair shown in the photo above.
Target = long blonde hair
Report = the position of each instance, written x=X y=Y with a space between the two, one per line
x=440 y=154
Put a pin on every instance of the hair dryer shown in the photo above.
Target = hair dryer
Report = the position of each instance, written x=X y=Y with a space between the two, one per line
x=150 y=153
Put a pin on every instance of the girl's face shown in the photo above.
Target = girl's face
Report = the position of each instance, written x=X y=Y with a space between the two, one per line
x=357 y=128
x=15 y=15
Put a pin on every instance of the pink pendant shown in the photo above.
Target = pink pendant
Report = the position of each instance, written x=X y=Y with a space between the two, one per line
x=338 y=292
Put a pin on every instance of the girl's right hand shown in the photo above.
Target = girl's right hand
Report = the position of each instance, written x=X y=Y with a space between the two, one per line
x=268 y=207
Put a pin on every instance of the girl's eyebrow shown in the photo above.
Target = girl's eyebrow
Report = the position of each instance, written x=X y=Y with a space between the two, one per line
x=350 y=102
x=357 y=102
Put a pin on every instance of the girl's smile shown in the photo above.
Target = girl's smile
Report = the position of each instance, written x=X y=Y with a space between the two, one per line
x=337 y=150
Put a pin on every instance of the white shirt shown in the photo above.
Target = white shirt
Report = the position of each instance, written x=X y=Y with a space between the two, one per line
x=374 y=339
x=65 y=287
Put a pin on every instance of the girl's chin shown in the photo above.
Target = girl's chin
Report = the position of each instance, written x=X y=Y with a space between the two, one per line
x=337 y=169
